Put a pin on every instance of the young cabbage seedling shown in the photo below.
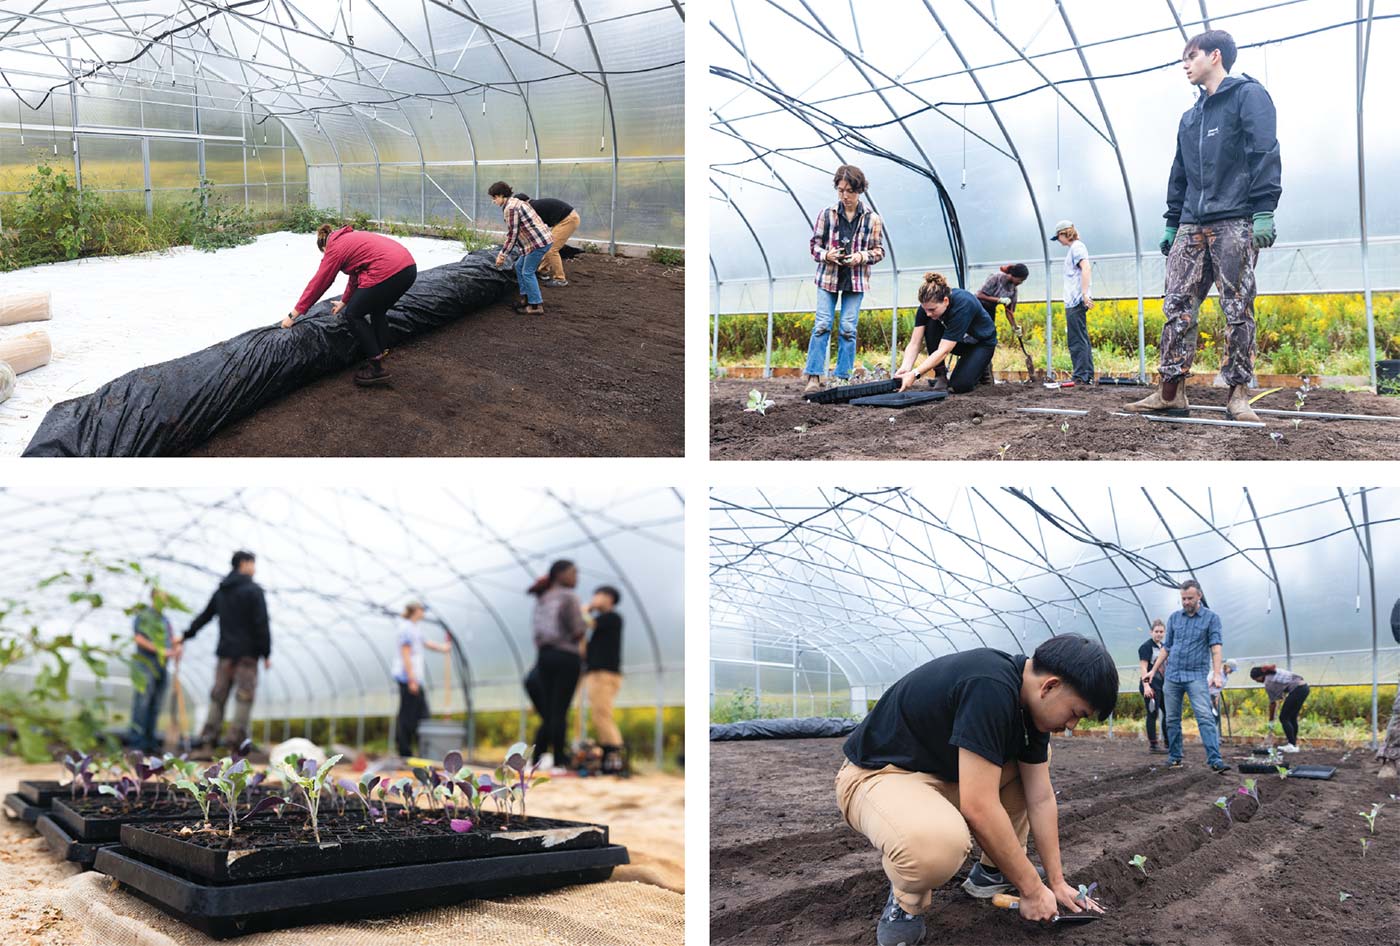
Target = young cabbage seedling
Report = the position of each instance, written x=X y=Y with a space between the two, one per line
x=1370 y=816
x=123 y=791
x=1140 y=863
x=517 y=761
x=1282 y=771
x=231 y=781
x=203 y=795
x=1250 y=788
x=1223 y=804
x=1365 y=843
x=81 y=767
x=312 y=779
x=1086 y=893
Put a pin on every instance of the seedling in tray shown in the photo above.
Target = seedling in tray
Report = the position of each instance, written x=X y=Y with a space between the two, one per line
x=1140 y=863
x=311 y=779
x=81 y=768
x=230 y=782
x=125 y=791
x=202 y=791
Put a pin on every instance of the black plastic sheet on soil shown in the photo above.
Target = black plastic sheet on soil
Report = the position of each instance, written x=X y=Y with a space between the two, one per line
x=170 y=408
x=814 y=727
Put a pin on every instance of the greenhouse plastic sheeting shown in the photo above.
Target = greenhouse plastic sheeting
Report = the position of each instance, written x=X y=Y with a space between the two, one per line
x=815 y=727
x=172 y=407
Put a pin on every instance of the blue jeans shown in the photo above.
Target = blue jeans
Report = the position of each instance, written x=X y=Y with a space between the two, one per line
x=145 y=705
x=820 y=344
x=525 y=277
x=1199 y=693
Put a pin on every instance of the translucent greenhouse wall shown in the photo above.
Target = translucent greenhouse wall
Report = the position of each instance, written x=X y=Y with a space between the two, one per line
x=877 y=582
x=1085 y=99
x=403 y=113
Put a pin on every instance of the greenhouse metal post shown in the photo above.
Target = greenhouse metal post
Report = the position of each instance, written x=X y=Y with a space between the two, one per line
x=1363 y=52
x=1375 y=666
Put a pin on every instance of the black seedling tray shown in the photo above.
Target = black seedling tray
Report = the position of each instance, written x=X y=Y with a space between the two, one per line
x=847 y=392
x=82 y=853
x=223 y=911
x=900 y=399
x=284 y=850
x=41 y=793
x=1322 y=772
x=1125 y=382
x=18 y=808
x=108 y=827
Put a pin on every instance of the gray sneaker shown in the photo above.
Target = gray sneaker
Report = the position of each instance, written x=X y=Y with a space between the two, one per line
x=985 y=882
x=897 y=928
x=554 y=283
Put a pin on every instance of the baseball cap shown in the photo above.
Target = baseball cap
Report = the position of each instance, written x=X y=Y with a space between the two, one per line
x=1060 y=228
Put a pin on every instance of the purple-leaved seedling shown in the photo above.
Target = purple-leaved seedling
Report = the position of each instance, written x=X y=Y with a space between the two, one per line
x=231 y=781
x=1086 y=893
x=312 y=780
x=1251 y=788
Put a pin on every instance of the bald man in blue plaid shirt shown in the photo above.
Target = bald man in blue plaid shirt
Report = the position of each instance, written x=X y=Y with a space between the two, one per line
x=1191 y=651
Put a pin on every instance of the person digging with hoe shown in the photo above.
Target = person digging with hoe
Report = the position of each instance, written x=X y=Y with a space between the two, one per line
x=957 y=749
x=1221 y=196
x=381 y=270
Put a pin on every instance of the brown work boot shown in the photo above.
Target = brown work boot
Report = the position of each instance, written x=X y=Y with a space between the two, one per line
x=1237 y=408
x=814 y=384
x=1158 y=402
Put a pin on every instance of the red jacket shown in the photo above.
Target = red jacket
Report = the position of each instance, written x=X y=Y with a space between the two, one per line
x=368 y=257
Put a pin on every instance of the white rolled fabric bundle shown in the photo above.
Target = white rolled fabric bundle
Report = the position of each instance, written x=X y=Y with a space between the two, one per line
x=26 y=352
x=7 y=381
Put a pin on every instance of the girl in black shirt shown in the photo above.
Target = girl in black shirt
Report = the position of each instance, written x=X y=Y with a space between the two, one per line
x=950 y=322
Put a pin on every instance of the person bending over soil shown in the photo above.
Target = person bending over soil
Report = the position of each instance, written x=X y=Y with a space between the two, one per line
x=1287 y=688
x=960 y=748
x=950 y=322
x=562 y=220
x=381 y=270
x=525 y=228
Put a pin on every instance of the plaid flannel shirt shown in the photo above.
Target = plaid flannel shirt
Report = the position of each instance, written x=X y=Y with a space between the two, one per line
x=869 y=239
x=525 y=226
x=1188 y=643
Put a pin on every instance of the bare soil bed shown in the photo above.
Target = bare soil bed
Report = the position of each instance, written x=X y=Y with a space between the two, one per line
x=785 y=869
x=985 y=424
x=597 y=375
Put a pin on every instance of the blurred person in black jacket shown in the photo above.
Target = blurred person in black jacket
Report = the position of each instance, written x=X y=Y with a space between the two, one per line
x=604 y=677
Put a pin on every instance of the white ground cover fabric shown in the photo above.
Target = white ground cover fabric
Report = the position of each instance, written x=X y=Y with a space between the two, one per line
x=114 y=314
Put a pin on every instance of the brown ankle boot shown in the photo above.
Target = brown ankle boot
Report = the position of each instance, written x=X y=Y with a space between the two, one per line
x=814 y=384
x=1237 y=408
x=1160 y=402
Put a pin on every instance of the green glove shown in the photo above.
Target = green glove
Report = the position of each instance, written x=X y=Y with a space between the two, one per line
x=1168 y=238
x=1264 y=234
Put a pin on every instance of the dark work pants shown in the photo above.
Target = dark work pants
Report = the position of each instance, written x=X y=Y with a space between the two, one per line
x=413 y=709
x=1288 y=714
x=1158 y=686
x=559 y=672
x=974 y=358
x=1081 y=354
x=367 y=311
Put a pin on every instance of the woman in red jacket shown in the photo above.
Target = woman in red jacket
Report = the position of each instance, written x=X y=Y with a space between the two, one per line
x=380 y=270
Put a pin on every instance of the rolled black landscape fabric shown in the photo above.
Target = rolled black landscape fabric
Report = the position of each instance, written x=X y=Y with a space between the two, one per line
x=811 y=728
x=172 y=407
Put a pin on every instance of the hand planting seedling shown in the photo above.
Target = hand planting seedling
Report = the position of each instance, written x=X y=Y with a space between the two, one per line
x=1223 y=804
x=758 y=404
x=1086 y=893
x=1371 y=816
x=1140 y=863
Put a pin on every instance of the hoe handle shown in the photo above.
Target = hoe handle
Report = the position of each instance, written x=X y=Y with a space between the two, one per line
x=1006 y=901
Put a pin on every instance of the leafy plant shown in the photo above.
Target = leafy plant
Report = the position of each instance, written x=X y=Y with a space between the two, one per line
x=1282 y=771
x=202 y=792
x=125 y=790
x=1086 y=893
x=1343 y=897
x=1250 y=788
x=81 y=769
x=517 y=761
x=1370 y=816
x=757 y=403
x=1365 y=843
x=304 y=218
x=230 y=782
x=311 y=779
x=667 y=256
x=1223 y=803
x=1140 y=863
x=215 y=223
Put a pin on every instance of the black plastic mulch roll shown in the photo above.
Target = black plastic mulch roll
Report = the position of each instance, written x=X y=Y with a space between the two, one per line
x=170 y=408
x=814 y=727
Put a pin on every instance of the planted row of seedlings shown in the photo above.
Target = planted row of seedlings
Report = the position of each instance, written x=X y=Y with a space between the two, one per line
x=230 y=849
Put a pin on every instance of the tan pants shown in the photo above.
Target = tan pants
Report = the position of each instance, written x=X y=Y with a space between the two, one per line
x=602 y=691
x=913 y=818
x=241 y=673
x=552 y=265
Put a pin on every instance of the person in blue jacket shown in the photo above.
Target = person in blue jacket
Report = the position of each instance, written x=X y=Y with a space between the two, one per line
x=950 y=322
x=1224 y=187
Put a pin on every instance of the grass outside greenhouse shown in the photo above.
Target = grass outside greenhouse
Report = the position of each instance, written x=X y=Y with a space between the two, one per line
x=1318 y=334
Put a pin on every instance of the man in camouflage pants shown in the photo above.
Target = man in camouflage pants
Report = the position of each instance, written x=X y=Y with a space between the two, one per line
x=1221 y=196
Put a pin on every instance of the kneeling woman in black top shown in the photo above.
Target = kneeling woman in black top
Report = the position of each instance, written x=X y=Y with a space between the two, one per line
x=950 y=322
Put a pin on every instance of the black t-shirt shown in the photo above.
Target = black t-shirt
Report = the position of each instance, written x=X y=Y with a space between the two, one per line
x=551 y=209
x=1145 y=652
x=965 y=317
x=846 y=235
x=970 y=700
x=605 y=646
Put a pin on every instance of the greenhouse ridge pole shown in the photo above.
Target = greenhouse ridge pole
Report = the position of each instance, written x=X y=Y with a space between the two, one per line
x=1269 y=556
x=1375 y=668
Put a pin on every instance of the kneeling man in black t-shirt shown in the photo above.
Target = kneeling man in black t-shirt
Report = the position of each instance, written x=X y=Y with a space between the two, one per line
x=960 y=748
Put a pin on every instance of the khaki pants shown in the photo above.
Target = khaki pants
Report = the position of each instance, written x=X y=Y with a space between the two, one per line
x=913 y=818
x=243 y=673
x=552 y=265
x=602 y=691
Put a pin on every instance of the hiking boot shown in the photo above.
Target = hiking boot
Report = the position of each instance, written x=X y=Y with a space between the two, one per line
x=1387 y=770
x=939 y=384
x=897 y=928
x=1156 y=403
x=1222 y=768
x=814 y=384
x=985 y=882
x=534 y=309
x=1237 y=408
x=372 y=373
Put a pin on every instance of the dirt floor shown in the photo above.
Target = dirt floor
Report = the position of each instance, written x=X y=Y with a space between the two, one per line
x=645 y=813
x=598 y=375
x=984 y=424
x=784 y=868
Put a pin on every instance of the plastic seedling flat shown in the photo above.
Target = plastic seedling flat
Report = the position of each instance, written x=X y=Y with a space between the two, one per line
x=100 y=817
x=63 y=844
x=18 y=808
x=39 y=792
x=849 y=392
x=235 y=909
x=900 y=399
x=1322 y=772
x=1125 y=382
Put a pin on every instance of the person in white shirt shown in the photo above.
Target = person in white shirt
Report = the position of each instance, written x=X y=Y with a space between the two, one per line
x=411 y=676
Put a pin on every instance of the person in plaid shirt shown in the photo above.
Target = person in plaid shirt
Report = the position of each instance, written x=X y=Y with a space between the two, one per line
x=846 y=239
x=525 y=227
x=1191 y=652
